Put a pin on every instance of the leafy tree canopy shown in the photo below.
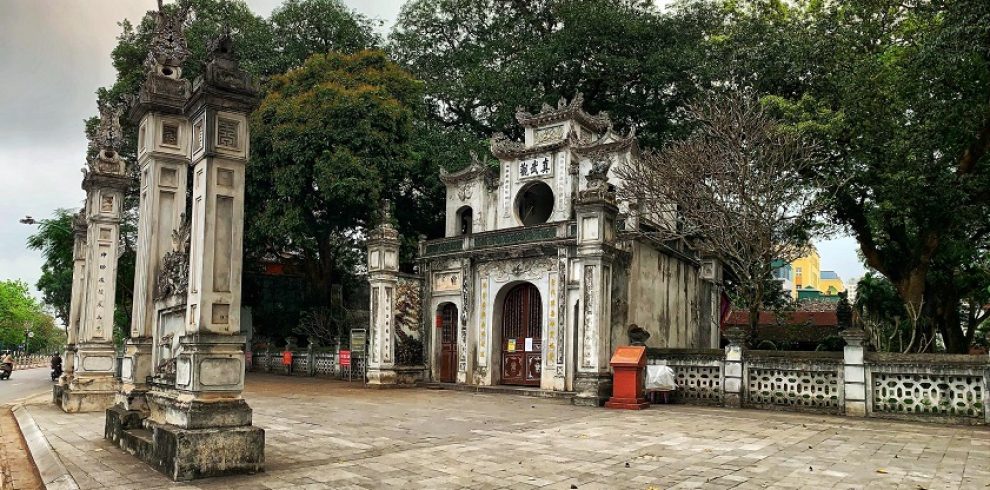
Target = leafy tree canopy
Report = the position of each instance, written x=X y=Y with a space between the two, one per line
x=20 y=314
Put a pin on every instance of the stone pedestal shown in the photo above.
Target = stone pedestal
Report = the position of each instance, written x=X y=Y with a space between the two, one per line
x=854 y=372
x=134 y=371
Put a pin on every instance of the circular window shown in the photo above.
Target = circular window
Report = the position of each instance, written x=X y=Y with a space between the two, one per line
x=534 y=203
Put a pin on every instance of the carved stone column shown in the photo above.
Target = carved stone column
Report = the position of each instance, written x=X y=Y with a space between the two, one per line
x=163 y=149
x=383 y=276
x=200 y=425
x=93 y=385
x=596 y=220
x=79 y=229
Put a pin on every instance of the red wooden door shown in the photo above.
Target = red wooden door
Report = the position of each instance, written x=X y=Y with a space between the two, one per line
x=448 y=343
x=522 y=332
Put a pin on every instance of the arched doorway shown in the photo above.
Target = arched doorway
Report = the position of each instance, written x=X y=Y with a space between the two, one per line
x=522 y=332
x=465 y=221
x=447 y=326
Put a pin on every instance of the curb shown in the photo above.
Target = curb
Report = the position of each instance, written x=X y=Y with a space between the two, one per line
x=53 y=473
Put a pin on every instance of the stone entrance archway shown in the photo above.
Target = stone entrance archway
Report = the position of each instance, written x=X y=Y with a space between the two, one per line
x=522 y=336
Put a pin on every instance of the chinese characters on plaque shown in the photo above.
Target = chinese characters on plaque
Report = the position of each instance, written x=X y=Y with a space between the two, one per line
x=535 y=167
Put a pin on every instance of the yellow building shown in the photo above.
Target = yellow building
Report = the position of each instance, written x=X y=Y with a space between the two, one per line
x=810 y=280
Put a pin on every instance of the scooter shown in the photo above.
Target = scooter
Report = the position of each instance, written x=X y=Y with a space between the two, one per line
x=5 y=370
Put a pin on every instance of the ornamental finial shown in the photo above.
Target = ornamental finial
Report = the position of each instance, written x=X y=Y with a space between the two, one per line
x=109 y=135
x=168 y=43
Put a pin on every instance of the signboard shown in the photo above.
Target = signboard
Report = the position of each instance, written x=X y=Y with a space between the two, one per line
x=345 y=358
x=511 y=345
x=535 y=167
x=529 y=344
x=359 y=337
x=287 y=358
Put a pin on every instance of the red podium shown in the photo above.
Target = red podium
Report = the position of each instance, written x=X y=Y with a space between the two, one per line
x=628 y=364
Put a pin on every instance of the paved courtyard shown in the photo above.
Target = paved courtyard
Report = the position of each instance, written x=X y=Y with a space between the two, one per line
x=328 y=434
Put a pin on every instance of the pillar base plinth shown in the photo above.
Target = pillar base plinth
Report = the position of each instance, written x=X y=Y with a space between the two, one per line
x=187 y=454
x=592 y=389
x=76 y=398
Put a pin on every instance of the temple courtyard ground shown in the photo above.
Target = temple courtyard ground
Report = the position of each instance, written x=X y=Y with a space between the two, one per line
x=331 y=434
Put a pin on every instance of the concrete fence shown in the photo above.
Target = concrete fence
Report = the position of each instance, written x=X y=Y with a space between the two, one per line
x=922 y=387
x=321 y=362
x=25 y=361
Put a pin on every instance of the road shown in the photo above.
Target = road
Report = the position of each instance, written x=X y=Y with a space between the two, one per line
x=25 y=383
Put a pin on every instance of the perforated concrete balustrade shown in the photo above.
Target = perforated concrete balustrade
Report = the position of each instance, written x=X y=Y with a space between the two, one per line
x=320 y=363
x=927 y=387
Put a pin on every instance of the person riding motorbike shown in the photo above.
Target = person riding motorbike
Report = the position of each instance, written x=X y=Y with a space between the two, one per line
x=56 y=366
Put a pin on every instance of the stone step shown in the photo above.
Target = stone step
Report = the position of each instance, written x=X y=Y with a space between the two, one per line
x=503 y=389
x=143 y=435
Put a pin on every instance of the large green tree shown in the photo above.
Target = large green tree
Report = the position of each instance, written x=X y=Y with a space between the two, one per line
x=21 y=315
x=54 y=239
x=482 y=59
x=901 y=94
x=330 y=140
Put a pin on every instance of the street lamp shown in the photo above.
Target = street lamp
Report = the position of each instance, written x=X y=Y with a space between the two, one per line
x=29 y=220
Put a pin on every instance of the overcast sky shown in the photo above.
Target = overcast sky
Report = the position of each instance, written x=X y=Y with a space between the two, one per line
x=54 y=54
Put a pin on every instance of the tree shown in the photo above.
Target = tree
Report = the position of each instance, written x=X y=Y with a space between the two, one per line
x=331 y=140
x=301 y=28
x=734 y=190
x=21 y=314
x=55 y=240
x=482 y=59
x=898 y=93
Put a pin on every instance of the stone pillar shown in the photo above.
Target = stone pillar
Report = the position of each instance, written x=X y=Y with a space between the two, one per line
x=79 y=229
x=93 y=384
x=163 y=149
x=200 y=425
x=596 y=221
x=383 y=275
x=854 y=372
x=733 y=388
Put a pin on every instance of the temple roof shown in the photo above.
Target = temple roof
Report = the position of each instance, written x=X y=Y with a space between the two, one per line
x=564 y=111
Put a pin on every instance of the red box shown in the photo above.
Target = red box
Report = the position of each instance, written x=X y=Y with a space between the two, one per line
x=628 y=364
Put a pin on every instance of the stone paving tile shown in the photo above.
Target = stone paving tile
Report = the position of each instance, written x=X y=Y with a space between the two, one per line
x=325 y=434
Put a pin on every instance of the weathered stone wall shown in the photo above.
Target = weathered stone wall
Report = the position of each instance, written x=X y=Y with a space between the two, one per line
x=924 y=387
x=665 y=296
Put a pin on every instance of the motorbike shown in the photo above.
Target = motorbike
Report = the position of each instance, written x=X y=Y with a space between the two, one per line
x=5 y=370
x=56 y=372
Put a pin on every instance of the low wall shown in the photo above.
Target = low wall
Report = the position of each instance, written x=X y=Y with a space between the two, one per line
x=308 y=362
x=31 y=361
x=926 y=387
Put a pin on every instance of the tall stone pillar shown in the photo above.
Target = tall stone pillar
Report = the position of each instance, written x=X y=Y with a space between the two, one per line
x=163 y=149
x=93 y=385
x=199 y=424
x=79 y=229
x=383 y=276
x=596 y=213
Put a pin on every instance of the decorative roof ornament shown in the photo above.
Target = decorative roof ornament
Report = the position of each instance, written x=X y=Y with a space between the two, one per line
x=598 y=175
x=168 y=43
x=564 y=111
x=109 y=136
x=221 y=47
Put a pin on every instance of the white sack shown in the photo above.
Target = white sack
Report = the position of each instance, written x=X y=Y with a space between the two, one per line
x=660 y=378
